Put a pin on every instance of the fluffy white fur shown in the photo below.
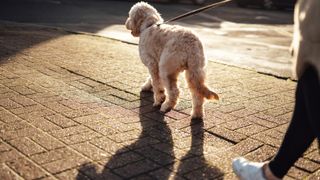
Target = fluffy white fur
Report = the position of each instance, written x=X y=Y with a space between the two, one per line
x=306 y=39
x=168 y=50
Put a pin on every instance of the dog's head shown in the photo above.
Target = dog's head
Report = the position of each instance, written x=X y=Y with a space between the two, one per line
x=141 y=16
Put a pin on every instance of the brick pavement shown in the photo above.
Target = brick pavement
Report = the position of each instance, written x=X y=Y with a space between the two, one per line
x=71 y=108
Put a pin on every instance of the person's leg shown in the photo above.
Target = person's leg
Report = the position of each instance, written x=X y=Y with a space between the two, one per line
x=304 y=126
x=311 y=91
x=303 y=129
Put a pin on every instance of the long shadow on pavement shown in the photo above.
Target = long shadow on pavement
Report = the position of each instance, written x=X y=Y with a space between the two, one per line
x=194 y=159
x=140 y=157
x=152 y=155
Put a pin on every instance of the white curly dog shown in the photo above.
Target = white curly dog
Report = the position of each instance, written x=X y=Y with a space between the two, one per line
x=168 y=50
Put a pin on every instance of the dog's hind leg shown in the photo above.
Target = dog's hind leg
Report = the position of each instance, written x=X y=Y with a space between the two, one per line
x=169 y=77
x=157 y=86
x=195 y=80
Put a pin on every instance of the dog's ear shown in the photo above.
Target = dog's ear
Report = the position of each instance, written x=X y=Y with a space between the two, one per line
x=128 y=23
x=137 y=21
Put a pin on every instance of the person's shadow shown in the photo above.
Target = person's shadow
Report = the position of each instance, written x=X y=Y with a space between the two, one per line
x=194 y=159
x=152 y=150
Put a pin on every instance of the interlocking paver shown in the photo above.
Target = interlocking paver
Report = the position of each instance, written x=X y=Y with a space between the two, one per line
x=262 y=154
x=26 y=146
x=27 y=169
x=71 y=107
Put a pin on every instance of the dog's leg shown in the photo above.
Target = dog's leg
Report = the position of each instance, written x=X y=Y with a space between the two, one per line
x=147 y=86
x=157 y=87
x=195 y=82
x=197 y=106
x=170 y=83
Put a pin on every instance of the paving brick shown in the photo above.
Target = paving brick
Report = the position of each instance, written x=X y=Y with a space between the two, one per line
x=102 y=128
x=65 y=164
x=46 y=141
x=29 y=109
x=109 y=145
x=72 y=104
x=70 y=131
x=26 y=146
x=91 y=151
x=223 y=116
x=27 y=169
x=271 y=118
x=227 y=134
x=190 y=164
x=297 y=173
x=262 y=154
x=14 y=125
x=22 y=100
x=251 y=129
x=205 y=173
x=52 y=155
x=136 y=168
x=23 y=90
x=239 y=123
x=9 y=104
x=161 y=157
x=314 y=176
x=8 y=95
x=120 y=160
x=35 y=114
x=243 y=112
x=231 y=107
x=126 y=136
x=7 y=173
x=93 y=118
x=78 y=113
x=176 y=115
x=55 y=106
x=45 y=97
x=71 y=174
x=141 y=143
x=9 y=155
x=262 y=122
x=61 y=120
x=43 y=124
x=136 y=104
x=115 y=112
x=246 y=146
x=4 y=147
x=314 y=156
x=26 y=132
x=80 y=85
x=81 y=137
x=164 y=173
x=268 y=140
x=307 y=165
x=124 y=95
x=94 y=171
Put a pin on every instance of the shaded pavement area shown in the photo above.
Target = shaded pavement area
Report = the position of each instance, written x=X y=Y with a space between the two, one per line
x=71 y=108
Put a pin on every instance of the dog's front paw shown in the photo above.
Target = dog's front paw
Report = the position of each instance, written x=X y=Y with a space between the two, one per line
x=165 y=107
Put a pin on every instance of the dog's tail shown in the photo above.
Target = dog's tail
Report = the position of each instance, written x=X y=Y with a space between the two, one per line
x=195 y=79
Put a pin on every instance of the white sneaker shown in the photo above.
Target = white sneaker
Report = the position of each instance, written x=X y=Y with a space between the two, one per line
x=247 y=170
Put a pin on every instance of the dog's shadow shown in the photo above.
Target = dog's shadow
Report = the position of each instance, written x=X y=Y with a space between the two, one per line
x=194 y=159
x=151 y=156
x=151 y=151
